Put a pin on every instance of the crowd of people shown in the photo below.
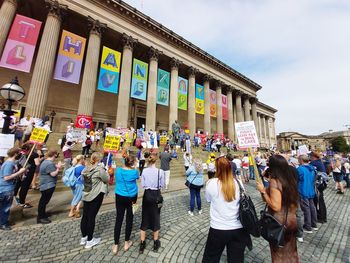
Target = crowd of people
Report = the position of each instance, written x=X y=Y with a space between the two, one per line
x=292 y=187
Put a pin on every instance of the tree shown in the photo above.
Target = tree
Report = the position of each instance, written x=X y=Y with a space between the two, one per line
x=339 y=144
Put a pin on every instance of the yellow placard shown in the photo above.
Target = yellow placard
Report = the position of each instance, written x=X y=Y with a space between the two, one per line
x=111 y=143
x=163 y=140
x=38 y=135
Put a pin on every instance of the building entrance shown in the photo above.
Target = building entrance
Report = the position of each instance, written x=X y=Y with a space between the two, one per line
x=139 y=122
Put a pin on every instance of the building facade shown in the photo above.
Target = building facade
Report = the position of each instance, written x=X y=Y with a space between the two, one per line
x=85 y=47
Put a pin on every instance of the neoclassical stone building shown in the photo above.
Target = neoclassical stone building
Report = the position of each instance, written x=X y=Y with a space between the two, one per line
x=118 y=26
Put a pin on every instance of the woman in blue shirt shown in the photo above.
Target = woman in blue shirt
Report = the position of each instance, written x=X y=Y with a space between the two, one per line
x=195 y=183
x=77 y=189
x=125 y=196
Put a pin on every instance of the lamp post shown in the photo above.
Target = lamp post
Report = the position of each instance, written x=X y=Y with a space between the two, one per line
x=11 y=92
x=52 y=115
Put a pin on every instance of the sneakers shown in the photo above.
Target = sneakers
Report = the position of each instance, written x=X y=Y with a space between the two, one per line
x=5 y=227
x=314 y=228
x=26 y=205
x=43 y=221
x=83 y=241
x=307 y=231
x=200 y=212
x=300 y=239
x=93 y=242
x=190 y=213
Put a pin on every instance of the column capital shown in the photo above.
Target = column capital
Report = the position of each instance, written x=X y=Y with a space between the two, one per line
x=95 y=26
x=246 y=96
x=207 y=77
x=175 y=63
x=128 y=41
x=238 y=92
x=56 y=9
x=253 y=100
x=229 y=89
x=154 y=53
x=267 y=117
x=192 y=72
x=219 y=84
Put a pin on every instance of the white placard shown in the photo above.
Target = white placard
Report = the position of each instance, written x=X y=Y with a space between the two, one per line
x=76 y=135
x=303 y=149
x=246 y=134
x=7 y=141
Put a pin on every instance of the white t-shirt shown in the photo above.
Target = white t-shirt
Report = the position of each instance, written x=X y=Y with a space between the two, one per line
x=187 y=160
x=238 y=163
x=223 y=215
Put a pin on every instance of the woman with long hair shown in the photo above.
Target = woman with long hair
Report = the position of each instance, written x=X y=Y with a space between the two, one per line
x=195 y=182
x=281 y=196
x=77 y=189
x=152 y=180
x=225 y=228
x=95 y=187
x=125 y=196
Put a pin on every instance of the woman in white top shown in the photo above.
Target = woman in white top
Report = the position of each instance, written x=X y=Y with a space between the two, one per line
x=187 y=160
x=225 y=228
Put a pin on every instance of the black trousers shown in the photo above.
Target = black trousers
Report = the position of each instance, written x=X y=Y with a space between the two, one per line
x=142 y=165
x=122 y=204
x=90 y=210
x=235 y=242
x=25 y=185
x=321 y=207
x=44 y=200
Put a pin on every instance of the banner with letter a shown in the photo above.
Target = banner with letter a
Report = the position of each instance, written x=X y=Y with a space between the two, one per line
x=182 y=93
x=20 y=46
x=163 y=85
x=212 y=95
x=224 y=107
x=139 y=80
x=199 y=99
x=108 y=79
x=70 y=57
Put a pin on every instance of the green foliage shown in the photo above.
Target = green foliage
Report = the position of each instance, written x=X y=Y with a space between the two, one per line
x=339 y=144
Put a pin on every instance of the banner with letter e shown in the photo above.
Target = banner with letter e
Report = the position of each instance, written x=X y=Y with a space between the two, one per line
x=139 y=80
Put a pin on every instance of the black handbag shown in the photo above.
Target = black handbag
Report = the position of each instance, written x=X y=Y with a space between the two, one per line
x=247 y=213
x=159 y=200
x=271 y=229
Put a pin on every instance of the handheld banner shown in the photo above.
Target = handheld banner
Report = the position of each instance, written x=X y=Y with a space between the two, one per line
x=6 y=143
x=108 y=79
x=246 y=134
x=163 y=85
x=199 y=99
x=212 y=95
x=224 y=107
x=163 y=140
x=20 y=46
x=38 y=135
x=139 y=80
x=70 y=57
x=111 y=143
x=182 y=93
x=84 y=122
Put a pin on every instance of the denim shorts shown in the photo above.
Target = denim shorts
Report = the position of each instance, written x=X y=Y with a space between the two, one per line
x=338 y=177
x=77 y=194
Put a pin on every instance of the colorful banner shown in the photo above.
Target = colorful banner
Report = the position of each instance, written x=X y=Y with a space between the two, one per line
x=212 y=95
x=139 y=80
x=163 y=86
x=182 y=93
x=70 y=57
x=224 y=107
x=108 y=79
x=199 y=99
x=38 y=135
x=111 y=143
x=84 y=122
x=20 y=46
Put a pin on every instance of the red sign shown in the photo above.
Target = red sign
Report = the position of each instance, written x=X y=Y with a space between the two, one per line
x=84 y=122
x=221 y=136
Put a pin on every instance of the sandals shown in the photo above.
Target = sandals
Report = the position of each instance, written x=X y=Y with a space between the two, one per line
x=127 y=245
x=115 y=249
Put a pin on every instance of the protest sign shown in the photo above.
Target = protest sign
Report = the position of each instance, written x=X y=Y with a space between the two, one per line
x=38 y=135
x=76 y=135
x=163 y=140
x=6 y=143
x=246 y=135
x=111 y=143
x=84 y=122
x=303 y=149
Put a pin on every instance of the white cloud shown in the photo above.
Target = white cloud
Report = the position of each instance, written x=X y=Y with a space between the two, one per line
x=298 y=50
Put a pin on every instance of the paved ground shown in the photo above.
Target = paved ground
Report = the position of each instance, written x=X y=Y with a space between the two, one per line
x=183 y=238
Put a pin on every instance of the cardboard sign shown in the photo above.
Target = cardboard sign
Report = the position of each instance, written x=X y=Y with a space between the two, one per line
x=76 y=135
x=111 y=143
x=6 y=143
x=303 y=149
x=38 y=135
x=84 y=122
x=163 y=140
x=246 y=134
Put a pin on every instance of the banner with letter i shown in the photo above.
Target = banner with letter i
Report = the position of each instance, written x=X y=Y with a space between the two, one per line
x=182 y=93
x=199 y=99
x=70 y=57
x=108 y=79
x=163 y=86
x=139 y=80
x=20 y=45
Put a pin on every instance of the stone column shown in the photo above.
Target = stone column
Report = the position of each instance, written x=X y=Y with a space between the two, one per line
x=246 y=108
x=230 y=125
x=191 y=105
x=151 y=113
x=255 y=114
x=268 y=132
x=219 y=120
x=234 y=120
x=45 y=61
x=258 y=126
x=239 y=110
x=88 y=86
x=174 y=86
x=7 y=14
x=206 y=84
x=263 y=128
x=125 y=81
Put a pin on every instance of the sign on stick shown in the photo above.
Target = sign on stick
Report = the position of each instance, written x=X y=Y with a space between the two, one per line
x=38 y=135
x=246 y=134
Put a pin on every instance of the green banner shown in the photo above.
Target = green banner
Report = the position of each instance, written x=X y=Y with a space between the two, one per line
x=163 y=85
x=139 y=80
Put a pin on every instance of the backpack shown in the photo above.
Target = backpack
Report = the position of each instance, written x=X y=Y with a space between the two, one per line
x=88 y=141
x=69 y=178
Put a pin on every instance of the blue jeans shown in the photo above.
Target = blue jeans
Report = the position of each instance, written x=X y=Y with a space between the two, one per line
x=195 y=194
x=251 y=172
x=6 y=199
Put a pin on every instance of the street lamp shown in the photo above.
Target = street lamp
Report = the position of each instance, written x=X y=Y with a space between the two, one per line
x=11 y=92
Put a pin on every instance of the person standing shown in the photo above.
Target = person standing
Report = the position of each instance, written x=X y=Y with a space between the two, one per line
x=245 y=168
x=338 y=175
x=67 y=155
x=77 y=189
x=211 y=165
x=125 y=197
x=39 y=151
x=95 y=187
x=222 y=192
x=187 y=160
x=152 y=180
x=141 y=158
x=195 y=179
x=281 y=198
x=165 y=159
x=238 y=163
x=48 y=179
x=306 y=187
x=8 y=175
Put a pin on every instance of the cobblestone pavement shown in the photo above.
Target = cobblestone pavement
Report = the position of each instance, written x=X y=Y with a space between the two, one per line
x=182 y=237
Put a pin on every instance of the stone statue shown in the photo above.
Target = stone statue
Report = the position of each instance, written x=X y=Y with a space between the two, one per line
x=176 y=131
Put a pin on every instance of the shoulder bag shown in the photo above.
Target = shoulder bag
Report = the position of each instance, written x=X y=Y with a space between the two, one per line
x=190 y=185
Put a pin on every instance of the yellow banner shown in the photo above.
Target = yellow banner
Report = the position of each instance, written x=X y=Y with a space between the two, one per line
x=200 y=106
x=112 y=143
x=110 y=59
x=163 y=140
x=38 y=135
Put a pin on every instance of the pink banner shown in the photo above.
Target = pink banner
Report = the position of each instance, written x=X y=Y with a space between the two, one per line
x=212 y=95
x=20 y=46
x=224 y=108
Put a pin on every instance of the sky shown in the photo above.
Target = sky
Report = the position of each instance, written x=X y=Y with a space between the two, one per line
x=297 y=50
